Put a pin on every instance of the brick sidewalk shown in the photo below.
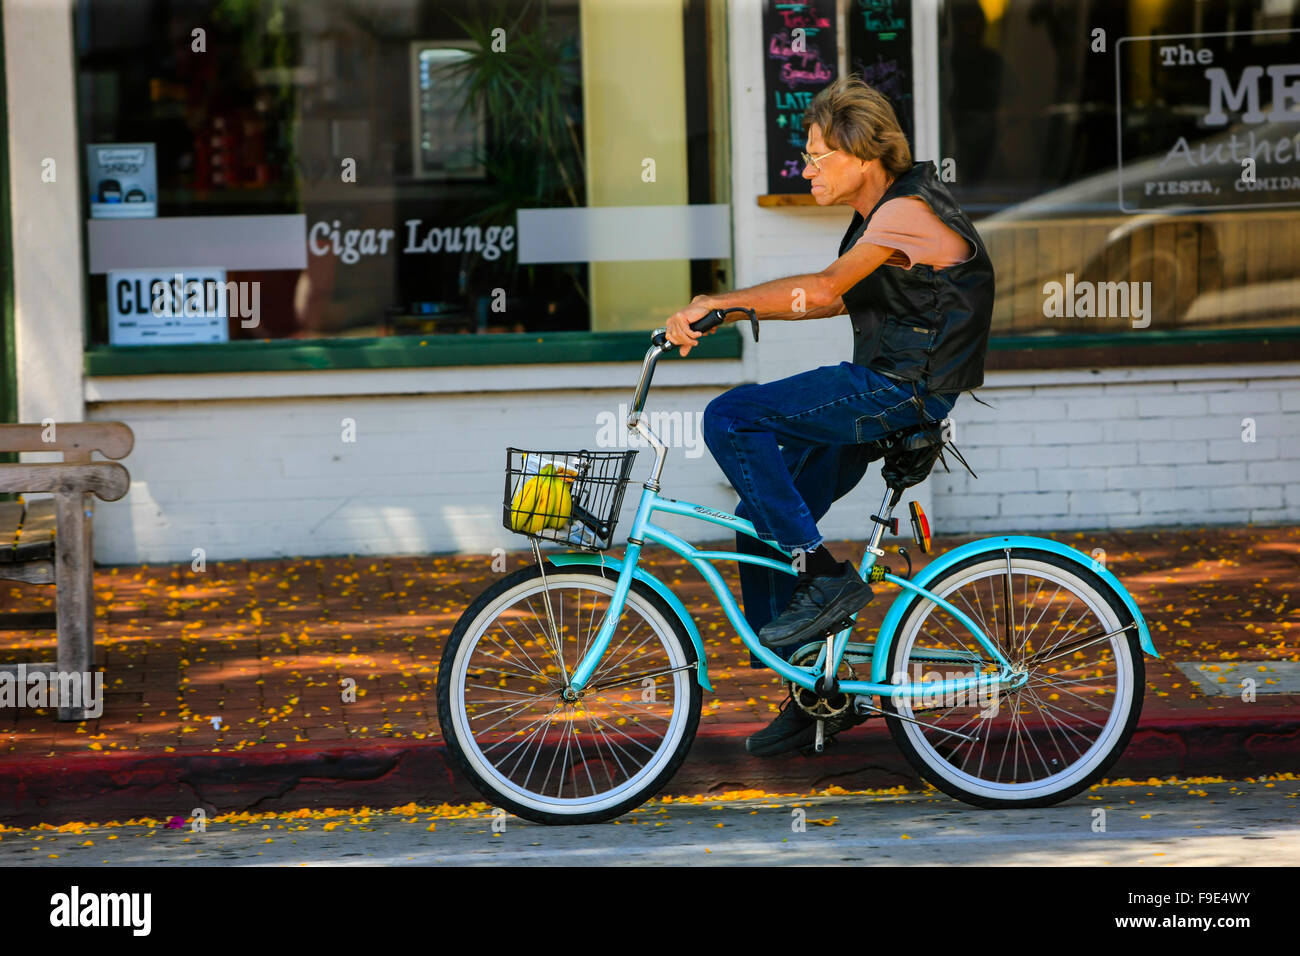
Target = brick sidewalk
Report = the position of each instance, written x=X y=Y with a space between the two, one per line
x=265 y=645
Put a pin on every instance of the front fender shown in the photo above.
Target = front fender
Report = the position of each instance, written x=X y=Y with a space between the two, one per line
x=615 y=564
x=936 y=568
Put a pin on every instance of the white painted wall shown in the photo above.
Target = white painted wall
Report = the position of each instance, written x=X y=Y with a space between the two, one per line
x=1060 y=450
x=247 y=478
x=1126 y=447
x=271 y=476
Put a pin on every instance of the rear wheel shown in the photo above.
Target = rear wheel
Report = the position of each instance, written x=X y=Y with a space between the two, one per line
x=1065 y=726
x=521 y=743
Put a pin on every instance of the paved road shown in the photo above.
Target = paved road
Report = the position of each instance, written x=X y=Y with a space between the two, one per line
x=1205 y=824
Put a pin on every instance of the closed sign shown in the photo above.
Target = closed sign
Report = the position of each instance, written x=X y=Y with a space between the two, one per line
x=158 y=307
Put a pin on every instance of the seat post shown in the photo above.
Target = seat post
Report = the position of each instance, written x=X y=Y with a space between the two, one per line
x=887 y=504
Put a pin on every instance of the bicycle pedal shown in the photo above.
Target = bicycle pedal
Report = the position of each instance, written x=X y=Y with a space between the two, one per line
x=834 y=629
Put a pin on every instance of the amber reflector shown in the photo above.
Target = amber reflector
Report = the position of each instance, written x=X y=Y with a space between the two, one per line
x=920 y=527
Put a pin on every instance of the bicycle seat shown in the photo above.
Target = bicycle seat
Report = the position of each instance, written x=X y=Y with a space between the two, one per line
x=910 y=453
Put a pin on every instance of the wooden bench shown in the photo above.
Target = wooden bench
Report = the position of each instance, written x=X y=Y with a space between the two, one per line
x=49 y=541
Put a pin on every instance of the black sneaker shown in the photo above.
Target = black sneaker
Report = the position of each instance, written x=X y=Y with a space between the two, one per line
x=816 y=606
x=793 y=730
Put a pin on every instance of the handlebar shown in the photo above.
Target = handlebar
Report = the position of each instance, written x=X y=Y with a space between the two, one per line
x=660 y=344
x=710 y=320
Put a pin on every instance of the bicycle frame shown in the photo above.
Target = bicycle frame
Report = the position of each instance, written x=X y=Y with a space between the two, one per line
x=644 y=530
x=834 y=648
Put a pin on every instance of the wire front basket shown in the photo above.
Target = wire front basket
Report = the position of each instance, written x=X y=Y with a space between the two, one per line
x=572 y=497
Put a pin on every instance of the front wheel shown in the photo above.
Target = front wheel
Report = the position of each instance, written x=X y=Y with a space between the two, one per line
x=1047 y=740
x=508 y=725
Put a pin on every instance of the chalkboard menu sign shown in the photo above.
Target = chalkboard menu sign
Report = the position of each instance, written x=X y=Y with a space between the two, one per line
x=880 y=51
x=800 y=59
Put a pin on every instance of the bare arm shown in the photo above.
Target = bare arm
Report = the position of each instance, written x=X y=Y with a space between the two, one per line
x=825 y=312
x=820 y=294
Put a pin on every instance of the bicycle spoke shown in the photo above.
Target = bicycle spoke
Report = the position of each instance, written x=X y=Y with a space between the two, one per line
x=536 y=667
x=540 y=732
x=984 y=624
x=597 y=735
x=1080 y=699
x=495 y=670
x=623 y=733
x=644 y=710
x=1029 y=606
x=1046 y=607
x=505 y=740
x=611 y=651
x=958 y=638
x=547 y=639
x=1032 y=619
x=1049 y=716
x=1065 y=728
x=1047 y=727
x=517 y=703
x=550 y=769
x=642 y=675
x=486 y=730
x=993 y=603
x=628 y=660
x=527 y=738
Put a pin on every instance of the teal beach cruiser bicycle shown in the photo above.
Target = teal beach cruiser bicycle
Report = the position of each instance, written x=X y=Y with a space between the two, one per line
x=1009 y=670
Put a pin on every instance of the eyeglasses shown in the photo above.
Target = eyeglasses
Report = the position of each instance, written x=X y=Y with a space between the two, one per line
x=816 y=160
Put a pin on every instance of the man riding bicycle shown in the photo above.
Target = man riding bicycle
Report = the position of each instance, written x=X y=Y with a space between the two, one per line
x=917 y=283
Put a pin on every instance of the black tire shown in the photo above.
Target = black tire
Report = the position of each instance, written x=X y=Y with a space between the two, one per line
x=493 y=781
x=924 y=753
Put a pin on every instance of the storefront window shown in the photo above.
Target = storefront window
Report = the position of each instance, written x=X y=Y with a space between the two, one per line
x=405 y=136
x=1100 y=143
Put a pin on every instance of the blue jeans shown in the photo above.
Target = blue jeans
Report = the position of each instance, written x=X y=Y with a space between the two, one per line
x=792 y=447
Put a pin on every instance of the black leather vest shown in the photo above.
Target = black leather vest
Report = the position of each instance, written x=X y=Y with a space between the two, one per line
x=918 y=324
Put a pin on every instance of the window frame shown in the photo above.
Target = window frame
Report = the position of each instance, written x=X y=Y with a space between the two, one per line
x=398 y=351
x=8 y=356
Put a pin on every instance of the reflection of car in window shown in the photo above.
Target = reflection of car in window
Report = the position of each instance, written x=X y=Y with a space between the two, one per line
x=110 y=190
x=1203 y=270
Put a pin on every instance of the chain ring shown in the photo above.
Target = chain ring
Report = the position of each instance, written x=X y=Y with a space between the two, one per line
x=808 y=701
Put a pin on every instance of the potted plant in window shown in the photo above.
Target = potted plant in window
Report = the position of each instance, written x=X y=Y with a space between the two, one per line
x=522 y=76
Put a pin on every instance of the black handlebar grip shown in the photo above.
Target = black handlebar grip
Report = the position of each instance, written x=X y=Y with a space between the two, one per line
x=710 y=320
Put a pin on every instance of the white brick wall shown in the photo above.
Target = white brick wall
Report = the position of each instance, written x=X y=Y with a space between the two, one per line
x=255 y=479
x=1132 y=447
x=247 y=479
x=425 y=475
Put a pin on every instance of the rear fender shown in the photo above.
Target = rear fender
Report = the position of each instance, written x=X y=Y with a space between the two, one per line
x=936 y=568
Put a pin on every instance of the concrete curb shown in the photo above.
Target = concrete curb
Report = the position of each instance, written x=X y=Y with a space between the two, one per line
x=102 y=787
